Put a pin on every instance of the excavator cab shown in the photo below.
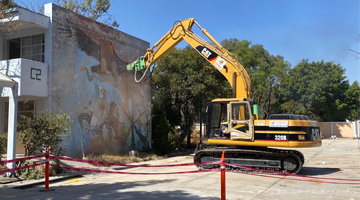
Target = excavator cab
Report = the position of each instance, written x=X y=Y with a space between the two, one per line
x=237 y=113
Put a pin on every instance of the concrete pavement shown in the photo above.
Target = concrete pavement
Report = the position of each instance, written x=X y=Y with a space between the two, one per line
x=338 y=158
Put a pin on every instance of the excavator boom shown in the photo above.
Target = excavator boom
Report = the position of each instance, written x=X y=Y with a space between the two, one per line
x=213 y=52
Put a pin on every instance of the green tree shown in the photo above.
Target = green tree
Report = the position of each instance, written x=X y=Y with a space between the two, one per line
x=181 y=79
x=93 y=9
x=320 y=90
x=266 y=72
x=40 y=130
x=43 y=129
x=352 y=100
x=9 y=27
x=7 y=3
x=164 y=138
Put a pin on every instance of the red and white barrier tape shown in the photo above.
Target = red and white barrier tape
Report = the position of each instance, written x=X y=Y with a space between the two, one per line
x=198 y=171
x=20 y=159
x=20 y=168
x=294 y=179
x=289 y=174
x=125 y=165
x=131 y=173
x=176 y=165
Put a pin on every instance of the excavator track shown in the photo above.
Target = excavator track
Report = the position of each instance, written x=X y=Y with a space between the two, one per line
x=282 y=160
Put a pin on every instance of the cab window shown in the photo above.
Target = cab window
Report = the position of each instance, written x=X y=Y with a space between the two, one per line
x=240 y=111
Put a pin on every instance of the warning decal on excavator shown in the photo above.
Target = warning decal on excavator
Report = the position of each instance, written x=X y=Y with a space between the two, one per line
x=220 y=63
x=279 y=124
x=207 y=53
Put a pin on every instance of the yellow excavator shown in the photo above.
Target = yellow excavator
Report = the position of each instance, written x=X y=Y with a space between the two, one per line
x=247 y=139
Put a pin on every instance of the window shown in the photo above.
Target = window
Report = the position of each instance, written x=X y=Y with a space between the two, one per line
x=240 y=111
x=215 y=116
x=24 y=108
x=30 y=47
x=14 y=48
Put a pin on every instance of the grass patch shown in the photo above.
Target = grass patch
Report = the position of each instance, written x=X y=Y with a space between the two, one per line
x=140 y=157
x=113 y=159
x=123 y=159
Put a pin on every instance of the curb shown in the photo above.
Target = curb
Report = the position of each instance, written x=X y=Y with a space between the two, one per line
x=24 y=184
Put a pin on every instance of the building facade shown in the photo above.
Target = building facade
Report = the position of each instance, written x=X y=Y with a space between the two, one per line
x=67 y=63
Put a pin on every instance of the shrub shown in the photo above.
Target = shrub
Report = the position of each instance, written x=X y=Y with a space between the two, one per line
x=164 y=139
x=40 y=130
x=3 y=145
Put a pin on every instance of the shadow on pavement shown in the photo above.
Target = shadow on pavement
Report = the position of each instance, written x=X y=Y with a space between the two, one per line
x=310 y=171
x=118 y=190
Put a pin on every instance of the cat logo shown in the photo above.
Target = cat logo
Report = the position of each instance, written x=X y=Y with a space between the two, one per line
x=206 y=53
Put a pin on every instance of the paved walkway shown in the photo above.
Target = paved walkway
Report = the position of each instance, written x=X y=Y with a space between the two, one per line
x=338 y=158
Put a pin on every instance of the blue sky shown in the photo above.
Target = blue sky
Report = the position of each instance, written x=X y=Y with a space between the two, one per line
x=308 y=29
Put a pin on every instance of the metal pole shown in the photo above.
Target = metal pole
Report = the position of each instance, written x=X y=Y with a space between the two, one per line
x=223 y=192
x=332 y=131
x=47 y=171
x=357 y=122
x=47 y=168
x=200 y=145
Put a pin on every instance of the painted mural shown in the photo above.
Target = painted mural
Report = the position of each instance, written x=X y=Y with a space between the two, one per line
x=109 y=110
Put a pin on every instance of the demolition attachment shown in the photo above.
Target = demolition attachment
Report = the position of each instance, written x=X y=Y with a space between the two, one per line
x=137 y=65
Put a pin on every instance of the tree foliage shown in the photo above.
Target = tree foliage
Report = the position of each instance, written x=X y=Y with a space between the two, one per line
x=164 y=138
x=40 y=130
x=7 y=3
x=43 y=129
x=180 y=81
x=9 y=27
x=93 y=9
x=266 y=72
x=320 y=90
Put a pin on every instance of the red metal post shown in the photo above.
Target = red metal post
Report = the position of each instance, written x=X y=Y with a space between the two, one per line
x=222 y=167
x=47 y=168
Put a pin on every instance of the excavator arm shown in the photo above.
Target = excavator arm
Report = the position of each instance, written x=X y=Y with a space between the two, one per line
x=218 y=56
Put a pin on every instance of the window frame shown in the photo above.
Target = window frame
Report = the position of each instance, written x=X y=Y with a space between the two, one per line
x=31 y=47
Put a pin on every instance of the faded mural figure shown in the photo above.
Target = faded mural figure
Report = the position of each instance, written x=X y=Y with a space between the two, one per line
x=111 y=115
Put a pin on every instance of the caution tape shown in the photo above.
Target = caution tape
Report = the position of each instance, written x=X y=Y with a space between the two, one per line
x=294 y=179
x=20 y=159
x=125 y=165
x=20 y=168
x=130 y=173
x=289 y=174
